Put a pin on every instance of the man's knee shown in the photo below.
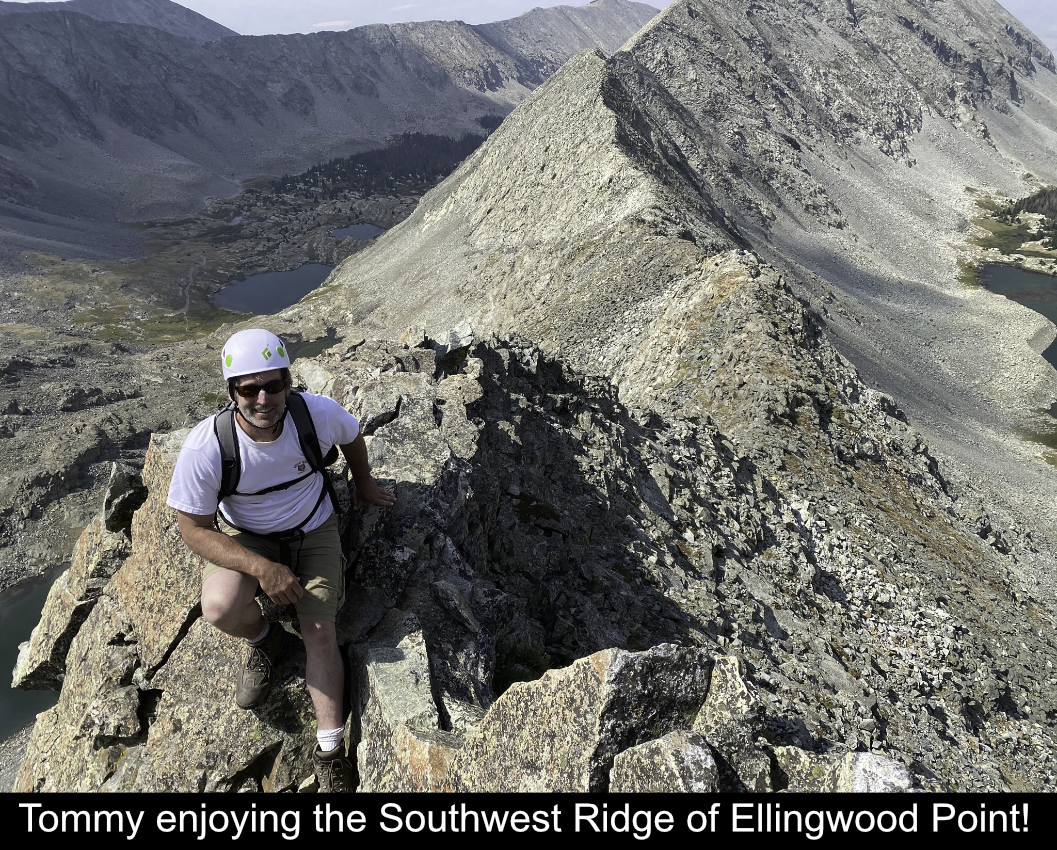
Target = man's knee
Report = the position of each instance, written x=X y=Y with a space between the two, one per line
x=225 y=600
x=318 y=634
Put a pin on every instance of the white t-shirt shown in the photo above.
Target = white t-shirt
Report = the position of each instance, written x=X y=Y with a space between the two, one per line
x=196 y=480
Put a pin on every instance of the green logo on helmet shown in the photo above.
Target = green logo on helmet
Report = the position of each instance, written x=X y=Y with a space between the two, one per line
x=227 y=360
x=280 y=351
x=266 y=354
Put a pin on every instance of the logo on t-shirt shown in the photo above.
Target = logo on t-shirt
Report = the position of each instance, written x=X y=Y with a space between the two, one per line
x=302 y=466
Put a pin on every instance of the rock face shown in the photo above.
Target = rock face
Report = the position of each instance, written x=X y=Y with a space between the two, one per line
x=100 y=551
x=676 y=763
x=568 y=595
x=562 y=732
x=82 y=98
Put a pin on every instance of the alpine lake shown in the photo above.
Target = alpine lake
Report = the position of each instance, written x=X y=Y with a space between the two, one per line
x=269 y=292
x=20 y=608
x=1038 y=292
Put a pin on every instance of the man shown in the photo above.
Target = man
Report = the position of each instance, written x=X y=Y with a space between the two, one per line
x=277 y=530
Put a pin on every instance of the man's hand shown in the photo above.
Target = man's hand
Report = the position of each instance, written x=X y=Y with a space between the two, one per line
x=280 y=584
x=276 y=580
x=367 y=489
x=370 y=493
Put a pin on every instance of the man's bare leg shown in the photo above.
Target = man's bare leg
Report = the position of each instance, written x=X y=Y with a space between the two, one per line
x=324 y=673
x=228 y=602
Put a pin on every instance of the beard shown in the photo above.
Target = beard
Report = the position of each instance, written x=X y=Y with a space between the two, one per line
x=263 y=416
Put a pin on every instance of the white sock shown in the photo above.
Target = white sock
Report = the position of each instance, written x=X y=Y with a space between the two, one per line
x=330 y=739
x=262 y=635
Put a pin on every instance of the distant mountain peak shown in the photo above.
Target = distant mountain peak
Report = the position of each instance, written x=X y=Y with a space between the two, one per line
x=160 y=14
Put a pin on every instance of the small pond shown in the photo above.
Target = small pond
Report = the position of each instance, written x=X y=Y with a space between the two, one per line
x=270 y=292
x=1032 y=289
x=20 y=609
x=358 y=231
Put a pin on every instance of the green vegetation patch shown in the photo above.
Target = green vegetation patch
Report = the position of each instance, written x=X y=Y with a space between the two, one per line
x=968 y=273
x=1007 y=238
x=1007 y=232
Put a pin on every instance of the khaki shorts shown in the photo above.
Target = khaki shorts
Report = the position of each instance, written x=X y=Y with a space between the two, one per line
x=316 y=560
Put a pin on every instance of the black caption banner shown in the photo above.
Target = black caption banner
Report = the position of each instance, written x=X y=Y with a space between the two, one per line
x=155 y=819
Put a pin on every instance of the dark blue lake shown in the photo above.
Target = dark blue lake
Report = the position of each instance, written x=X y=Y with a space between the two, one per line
x=358 y=231
x=1032 y=289
x=271 y=291
x=20 y=609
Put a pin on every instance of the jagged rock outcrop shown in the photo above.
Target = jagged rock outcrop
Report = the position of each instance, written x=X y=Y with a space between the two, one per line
x=562 y=732
x=402 y=746
x=732 y=719
x=101 y=549
x=539 y=524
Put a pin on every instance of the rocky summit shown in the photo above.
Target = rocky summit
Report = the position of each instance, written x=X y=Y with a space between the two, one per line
x=692 y=431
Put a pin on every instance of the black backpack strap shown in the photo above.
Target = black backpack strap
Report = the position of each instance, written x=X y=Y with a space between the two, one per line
x=230 y=462
x=306 y=434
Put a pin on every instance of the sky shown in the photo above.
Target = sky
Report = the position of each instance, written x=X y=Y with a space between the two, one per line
x=261 y=17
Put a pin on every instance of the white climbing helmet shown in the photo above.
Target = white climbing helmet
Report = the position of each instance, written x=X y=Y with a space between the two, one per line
x=253 y=351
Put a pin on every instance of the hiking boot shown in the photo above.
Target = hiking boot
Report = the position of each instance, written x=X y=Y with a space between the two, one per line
x=333 y=770
x=255 y=676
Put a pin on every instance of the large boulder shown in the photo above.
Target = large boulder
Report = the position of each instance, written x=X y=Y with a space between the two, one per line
x=562 y=732
x=680 y=762
x=731 y=719
x=96 y=557
x=402 y=746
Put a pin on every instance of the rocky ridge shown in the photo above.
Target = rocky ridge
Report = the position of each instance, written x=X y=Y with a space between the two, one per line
x=838 y=142
x=539 y=524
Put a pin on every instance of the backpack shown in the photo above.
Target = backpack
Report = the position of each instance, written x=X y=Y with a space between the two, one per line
x=224 y=426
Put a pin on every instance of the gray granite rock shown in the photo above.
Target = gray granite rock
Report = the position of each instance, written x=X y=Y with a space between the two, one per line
x=562 y=732
x=96 y=557
x=850 y=772
x=731 y=720
x=676 y=763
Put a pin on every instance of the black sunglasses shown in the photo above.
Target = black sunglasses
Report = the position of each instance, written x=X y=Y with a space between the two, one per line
x=253 y=390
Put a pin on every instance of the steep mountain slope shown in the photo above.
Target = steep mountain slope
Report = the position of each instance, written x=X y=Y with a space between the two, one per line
x=160 y=14
x=836 y=140
x=105 y=120
x=538 y=37
x=1038 y=15
x=834 y=144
